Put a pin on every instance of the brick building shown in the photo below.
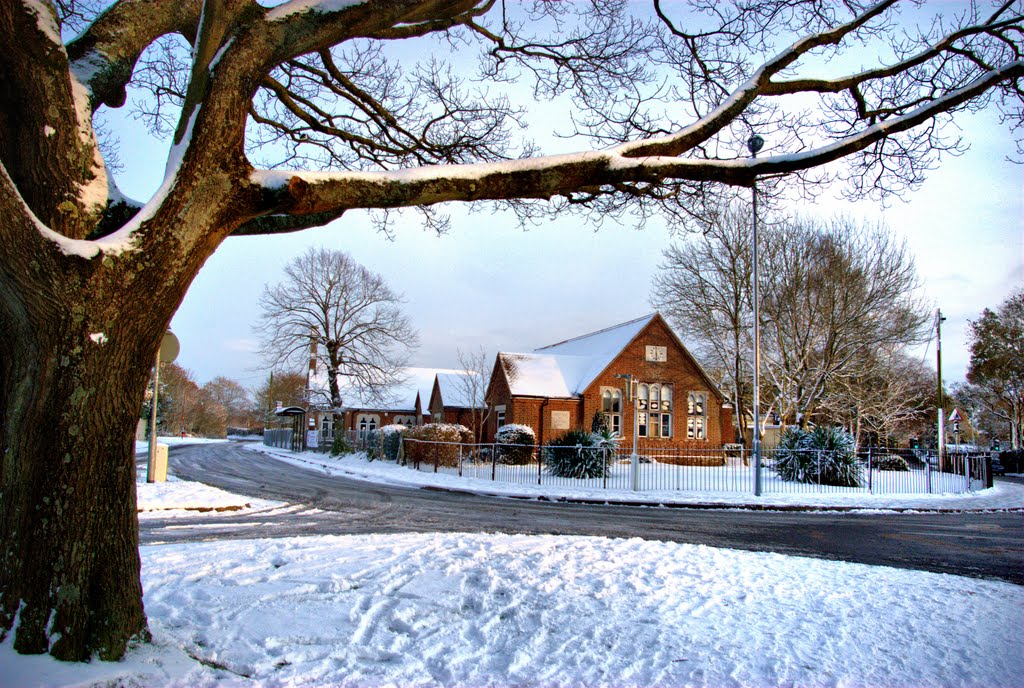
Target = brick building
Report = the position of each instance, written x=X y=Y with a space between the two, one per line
x=403 y=404
x=453 y=398
x=637 y=375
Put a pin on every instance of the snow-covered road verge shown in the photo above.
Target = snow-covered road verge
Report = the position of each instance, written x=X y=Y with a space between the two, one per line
x=496 y=610
x=1003 y=495
x=158 y=499
x=178 y=497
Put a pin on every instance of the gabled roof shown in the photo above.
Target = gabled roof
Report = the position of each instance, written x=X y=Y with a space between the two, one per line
x=566 y=369
x=455 y=393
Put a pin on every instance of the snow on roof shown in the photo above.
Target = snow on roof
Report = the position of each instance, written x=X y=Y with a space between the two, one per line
x=454 y=390
x=610 y=341
x=535 y=375
x=402 y=397
x=567 y=368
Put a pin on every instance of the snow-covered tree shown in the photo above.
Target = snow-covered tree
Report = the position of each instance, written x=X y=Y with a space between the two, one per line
x=286 y=117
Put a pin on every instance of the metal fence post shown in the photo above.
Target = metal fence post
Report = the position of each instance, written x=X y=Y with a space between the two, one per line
x=494 y=461
x=540 y=464
x=604 y=473
x=870 y=490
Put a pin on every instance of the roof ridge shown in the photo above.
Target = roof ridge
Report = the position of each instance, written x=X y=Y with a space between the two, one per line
x=649 y=316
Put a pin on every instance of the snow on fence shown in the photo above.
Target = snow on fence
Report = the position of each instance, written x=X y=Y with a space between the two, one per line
x=701 y=470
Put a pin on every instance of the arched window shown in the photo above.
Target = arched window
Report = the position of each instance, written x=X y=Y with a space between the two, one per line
x=611 y=407
x=365 y=423
x=696 y=416
x=654 y=416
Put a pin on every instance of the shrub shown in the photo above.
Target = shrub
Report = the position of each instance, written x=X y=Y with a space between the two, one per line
x=514 y=444
x=372 y=444
x=340 y=446
x=445 y=452
x=1013 y=460
x=599 y=424
x=823 y=456
x=890 y=462
x=391 y=441
x=574 y=455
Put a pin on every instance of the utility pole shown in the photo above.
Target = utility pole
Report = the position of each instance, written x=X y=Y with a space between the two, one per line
x=940 y=415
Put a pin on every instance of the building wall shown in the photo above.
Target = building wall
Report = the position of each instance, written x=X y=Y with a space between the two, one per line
x=549 y=418
x=498 y=394
x=386 y=417
x=679 y=370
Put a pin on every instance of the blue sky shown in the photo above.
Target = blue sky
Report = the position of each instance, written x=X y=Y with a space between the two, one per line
x=489 y=284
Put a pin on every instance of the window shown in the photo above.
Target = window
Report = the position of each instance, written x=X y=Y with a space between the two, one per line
x=696 y=416
x=327 y=427
x=611 y=407
x=499 y=416
x=656 y=401
x=365 y=423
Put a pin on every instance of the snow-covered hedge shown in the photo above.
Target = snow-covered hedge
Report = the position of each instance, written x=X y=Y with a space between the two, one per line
x=391 y=441
x=436 y=443
x=372 y=442
x=514 y=444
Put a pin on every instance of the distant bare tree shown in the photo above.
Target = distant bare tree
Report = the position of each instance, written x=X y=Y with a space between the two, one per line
x=833 y=293
x=885 y=392
x=347 y=317
x=703 y=288
x=232 y=396
x=473 y=388
x=289 y=388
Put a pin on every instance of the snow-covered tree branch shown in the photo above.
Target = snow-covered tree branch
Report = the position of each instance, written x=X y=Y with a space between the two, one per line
x=282 y=117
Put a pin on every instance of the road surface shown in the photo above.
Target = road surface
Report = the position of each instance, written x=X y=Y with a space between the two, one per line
x=989 y=545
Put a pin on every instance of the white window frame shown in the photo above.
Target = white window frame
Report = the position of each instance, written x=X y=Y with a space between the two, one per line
x=612 y=410
x=654 y=401
x=366 y=422
x=697 y=416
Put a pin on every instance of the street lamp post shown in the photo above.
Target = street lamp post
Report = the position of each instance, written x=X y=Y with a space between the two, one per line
x=634 y=459
x=754 y=144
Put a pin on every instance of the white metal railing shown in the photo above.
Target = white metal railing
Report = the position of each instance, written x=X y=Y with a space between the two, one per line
x=699 y=469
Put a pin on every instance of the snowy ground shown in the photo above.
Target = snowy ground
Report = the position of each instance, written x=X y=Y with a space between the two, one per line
x=1003 y=496
x=489 y=610
x=500 y=610
x=178 y=497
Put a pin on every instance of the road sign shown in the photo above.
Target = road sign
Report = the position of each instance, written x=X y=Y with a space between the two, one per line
x=955 y=416
x=169 y=347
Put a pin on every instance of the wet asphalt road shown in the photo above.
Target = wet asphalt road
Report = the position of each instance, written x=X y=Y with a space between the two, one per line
x=989 y=545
